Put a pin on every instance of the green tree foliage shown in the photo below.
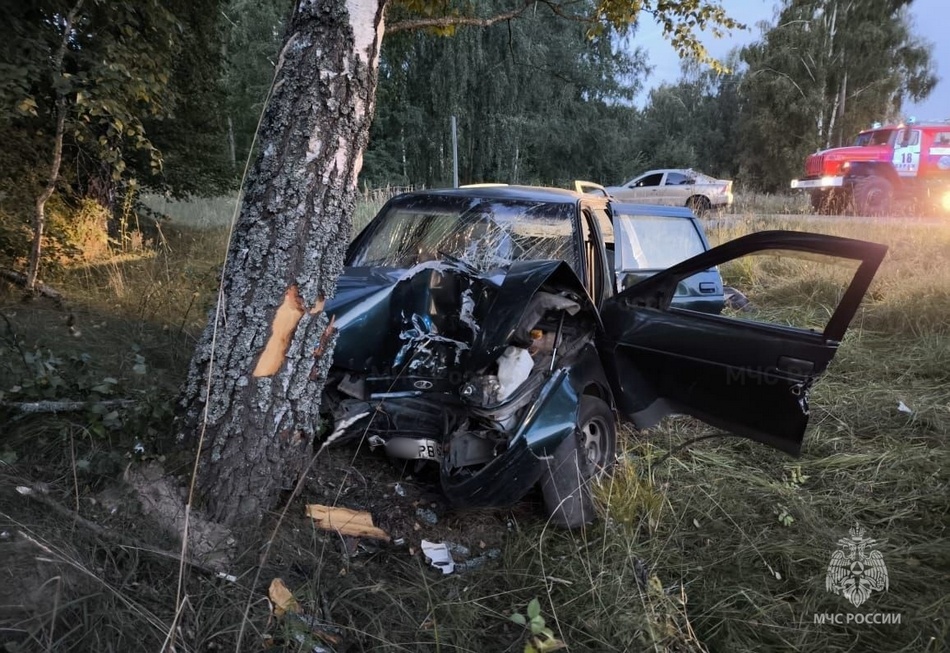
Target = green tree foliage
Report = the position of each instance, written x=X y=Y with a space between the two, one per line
x=139 y=81
x=534 y=99
x=96 y=96
x=255 y=29
x=114 y=75
x=192 y=134
x=693 y=123
x=826 y=69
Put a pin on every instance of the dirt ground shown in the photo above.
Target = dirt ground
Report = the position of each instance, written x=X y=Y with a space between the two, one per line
x=408 y=505
x=113 y=559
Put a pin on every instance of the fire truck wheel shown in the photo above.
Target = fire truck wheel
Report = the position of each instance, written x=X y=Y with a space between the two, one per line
x=872 y=196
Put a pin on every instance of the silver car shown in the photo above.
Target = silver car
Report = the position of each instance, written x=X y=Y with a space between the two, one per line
x=677 y=187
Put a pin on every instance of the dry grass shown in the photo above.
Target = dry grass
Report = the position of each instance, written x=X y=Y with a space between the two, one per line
x=696 y=551
x=757 y=578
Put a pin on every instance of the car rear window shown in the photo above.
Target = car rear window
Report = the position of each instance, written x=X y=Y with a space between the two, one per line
x=483 y=233
x=650 y=242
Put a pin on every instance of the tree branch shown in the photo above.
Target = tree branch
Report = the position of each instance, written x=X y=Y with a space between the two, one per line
x=21 y=279
x=65 y=406
x=470 y=21
x=456 y=21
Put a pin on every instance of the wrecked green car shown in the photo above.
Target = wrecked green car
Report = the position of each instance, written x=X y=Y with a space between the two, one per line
x=497 y=332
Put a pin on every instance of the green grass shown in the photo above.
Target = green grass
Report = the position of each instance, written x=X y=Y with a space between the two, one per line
x=721 y=546
x=767 y=203
x=198 y=213
x=218 y=212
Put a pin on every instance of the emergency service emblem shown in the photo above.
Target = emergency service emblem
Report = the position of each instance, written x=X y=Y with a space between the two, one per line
x=856 y=569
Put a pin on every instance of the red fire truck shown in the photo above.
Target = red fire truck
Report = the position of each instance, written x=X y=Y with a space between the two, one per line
x=885 y=164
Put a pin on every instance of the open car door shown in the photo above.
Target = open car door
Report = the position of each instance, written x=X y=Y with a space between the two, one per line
x=589 y=187
x=746 y=377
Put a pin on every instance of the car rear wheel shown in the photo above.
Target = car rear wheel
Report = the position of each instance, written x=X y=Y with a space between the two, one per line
x=565 y=485
x=699 y=205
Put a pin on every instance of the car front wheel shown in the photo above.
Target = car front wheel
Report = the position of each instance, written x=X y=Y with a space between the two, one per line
x=565 y=485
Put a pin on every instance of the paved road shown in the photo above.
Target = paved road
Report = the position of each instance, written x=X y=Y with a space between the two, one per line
x=832 y=219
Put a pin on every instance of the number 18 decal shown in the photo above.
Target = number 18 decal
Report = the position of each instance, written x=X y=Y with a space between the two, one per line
x=907 y=154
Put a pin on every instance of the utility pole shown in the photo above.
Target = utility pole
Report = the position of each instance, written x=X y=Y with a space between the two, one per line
x=455 y=155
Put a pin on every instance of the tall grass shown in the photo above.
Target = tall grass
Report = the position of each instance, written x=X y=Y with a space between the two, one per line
x=217 y=212
x=719 y=546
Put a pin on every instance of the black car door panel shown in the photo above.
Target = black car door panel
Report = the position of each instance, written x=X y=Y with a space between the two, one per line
x=746 y=377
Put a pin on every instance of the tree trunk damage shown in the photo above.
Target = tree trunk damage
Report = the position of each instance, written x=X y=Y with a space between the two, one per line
x=253 y=389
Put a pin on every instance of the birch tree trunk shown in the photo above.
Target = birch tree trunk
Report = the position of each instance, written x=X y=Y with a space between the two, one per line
x=39 y=208
x=252 y=394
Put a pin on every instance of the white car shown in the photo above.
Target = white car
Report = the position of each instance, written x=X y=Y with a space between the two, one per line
x=676 y=188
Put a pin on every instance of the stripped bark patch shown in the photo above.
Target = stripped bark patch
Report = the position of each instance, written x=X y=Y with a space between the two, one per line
x=282 y=330
x=325 y=338
x=318 y=307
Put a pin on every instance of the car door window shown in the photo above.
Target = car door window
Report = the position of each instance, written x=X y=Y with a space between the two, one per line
x=909 y=137
x=596 y=281
x=678 y=179
x=652 y=242
x=648 y=181
x=749 y=376
x=787 y=288
x=649 y=243
x=605 y=223
x=830 y=271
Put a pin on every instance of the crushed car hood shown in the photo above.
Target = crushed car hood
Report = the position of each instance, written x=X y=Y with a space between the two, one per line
x=378 y=312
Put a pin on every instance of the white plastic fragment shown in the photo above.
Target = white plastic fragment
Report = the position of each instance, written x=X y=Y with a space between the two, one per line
x=902 y=407
x=514 y=368
x=342 y=426
x=437 y=553
x=467 y=314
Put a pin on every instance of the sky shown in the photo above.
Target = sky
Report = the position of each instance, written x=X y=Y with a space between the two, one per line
x=931 y=22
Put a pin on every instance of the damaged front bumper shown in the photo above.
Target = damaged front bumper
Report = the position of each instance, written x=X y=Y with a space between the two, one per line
x=482 y=379
x=510 y=476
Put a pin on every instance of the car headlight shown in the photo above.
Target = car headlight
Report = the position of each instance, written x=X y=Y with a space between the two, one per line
x=945 y=201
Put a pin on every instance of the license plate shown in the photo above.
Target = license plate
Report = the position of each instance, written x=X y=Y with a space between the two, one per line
x=414 y=449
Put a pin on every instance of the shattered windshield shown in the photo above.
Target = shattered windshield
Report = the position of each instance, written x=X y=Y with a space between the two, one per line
x=482 y=233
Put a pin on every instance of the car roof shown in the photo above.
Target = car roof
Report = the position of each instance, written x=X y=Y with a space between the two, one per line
x=657 y=171
x=658 y=210
x=545 y=194
x=503 y=192
x=921 y=125
x=671 y=170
